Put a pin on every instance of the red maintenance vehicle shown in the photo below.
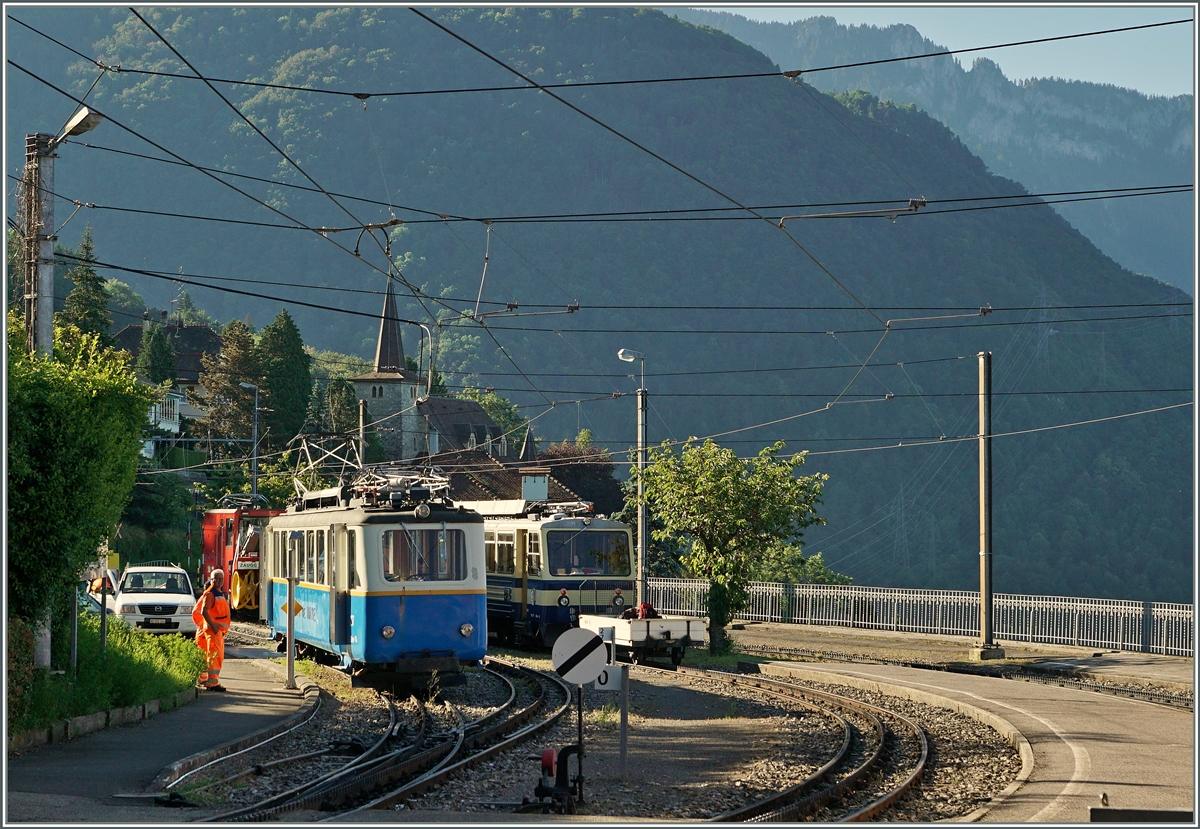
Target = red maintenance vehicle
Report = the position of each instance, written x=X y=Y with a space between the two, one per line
x=232 y=538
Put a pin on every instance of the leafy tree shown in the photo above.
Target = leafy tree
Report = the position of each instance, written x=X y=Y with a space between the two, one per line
x=87 y=304
x=664 y=556
x=786 y=563
x=230 y=407
x=341 y=406
x=286 y=378
x=731 y=510
x=16 y=270
x=124 y=303
x=327 y=365
x=159 y=500
x=74 y=434
x=156 y=357
x=586 y=470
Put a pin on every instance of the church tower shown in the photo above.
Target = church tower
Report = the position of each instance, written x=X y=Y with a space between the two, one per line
x=390 y=390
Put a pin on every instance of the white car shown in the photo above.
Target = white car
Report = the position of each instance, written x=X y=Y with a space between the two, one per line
x=157 y=598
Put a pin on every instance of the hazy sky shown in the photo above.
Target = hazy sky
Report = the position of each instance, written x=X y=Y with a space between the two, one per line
x=1154 y=61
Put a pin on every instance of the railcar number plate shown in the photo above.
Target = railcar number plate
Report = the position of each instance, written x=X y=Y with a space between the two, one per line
x=247 y=565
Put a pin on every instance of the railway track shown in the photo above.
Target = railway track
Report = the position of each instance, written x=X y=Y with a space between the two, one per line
x=882 y=756
x=406 y=761
x=1185 y=701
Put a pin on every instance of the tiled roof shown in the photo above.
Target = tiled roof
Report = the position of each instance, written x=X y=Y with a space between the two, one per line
x=189 y=342
x=477 y=476
x=455 y=420
x=401 y=376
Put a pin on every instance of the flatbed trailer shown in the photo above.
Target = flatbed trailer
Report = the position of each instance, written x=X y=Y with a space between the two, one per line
x=641 y=639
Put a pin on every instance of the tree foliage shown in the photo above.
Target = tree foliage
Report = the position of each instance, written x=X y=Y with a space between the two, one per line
x=732 y=511
x=587 y=470
x=75 y=423
x=159 y=501
x=787 y=563
x=87 y=304
x=156 y=356
x=230 y=408
x=286 y=373
x=192 y=314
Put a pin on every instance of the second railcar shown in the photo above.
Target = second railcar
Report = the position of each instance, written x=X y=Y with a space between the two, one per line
x=390 y=580
x=546 y=567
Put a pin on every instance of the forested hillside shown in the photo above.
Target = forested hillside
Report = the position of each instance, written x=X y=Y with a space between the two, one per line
x=741 y=323
x=1050 y=134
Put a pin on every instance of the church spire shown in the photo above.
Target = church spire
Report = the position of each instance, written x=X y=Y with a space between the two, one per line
x=389 y=353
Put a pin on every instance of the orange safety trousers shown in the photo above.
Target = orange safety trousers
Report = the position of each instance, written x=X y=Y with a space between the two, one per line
x=212 y=643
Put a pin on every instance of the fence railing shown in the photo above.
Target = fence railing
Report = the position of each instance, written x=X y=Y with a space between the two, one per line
x=1113 y=624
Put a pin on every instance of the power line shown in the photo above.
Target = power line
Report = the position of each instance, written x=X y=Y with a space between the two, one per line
x=363 y=96
x=890 y=395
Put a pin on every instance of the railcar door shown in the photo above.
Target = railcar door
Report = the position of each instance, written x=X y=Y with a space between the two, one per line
x=339 y=592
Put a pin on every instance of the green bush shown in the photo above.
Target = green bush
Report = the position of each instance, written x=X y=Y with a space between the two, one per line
x=20 y=667
x=136 y=667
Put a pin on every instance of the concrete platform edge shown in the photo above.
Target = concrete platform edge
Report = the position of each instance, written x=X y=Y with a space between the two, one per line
x=87 y=723
x=1126 y=679
x=179 y=768
x=1006 y=729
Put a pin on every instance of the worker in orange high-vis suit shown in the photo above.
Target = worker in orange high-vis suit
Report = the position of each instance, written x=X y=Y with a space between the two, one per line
x=211 y=616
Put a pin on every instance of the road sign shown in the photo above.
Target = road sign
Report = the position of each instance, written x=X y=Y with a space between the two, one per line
x=609 y=679
x=579 y=655
x=296 y=608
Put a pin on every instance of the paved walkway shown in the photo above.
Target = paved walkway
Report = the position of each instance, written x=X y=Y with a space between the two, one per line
x=76 y=780
x=1084 y=744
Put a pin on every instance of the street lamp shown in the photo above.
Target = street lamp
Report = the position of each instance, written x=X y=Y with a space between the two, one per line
x=38 y=183
x=628 y=356
x=254 y=441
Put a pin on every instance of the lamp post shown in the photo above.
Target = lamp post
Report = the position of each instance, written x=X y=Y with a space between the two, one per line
x=629 y=356
x=38 y=220
x=253 y=441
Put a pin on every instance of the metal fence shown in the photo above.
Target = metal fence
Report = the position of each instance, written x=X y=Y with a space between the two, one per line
x=1114 y=624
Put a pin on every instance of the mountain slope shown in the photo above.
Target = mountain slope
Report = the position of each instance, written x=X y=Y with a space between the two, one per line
x=1050 y=134
x=1095 y=509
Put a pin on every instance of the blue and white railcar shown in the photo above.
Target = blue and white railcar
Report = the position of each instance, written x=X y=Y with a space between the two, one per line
x=547 y=564
x=390 y=579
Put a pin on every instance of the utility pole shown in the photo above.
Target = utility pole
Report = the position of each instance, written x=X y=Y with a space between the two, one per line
x=362 y=432
x=38 y=218
x=643 y=395
x=986 y=649
x=253 y=439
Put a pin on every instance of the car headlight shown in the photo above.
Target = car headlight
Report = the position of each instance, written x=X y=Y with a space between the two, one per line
x=388 y=632
x=467 y=629
x=128 y=608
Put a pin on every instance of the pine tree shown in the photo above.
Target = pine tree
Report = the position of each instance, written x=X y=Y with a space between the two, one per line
x=287 y=378
x=156 y=356
x=192 y=314
x=87 y=304
x=230 y=407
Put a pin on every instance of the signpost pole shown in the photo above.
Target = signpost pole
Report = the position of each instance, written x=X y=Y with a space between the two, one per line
x=579 y=762
x=291 y=640
x=624 y=715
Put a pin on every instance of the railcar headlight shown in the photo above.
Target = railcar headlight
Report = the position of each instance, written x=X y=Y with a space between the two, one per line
x=564 y=599
x=618 y=600
x=422 y=511
x=128 y=608
x=388 y=632
x=467 y=629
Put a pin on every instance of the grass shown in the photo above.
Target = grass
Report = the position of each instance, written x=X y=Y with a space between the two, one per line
x=136 y=667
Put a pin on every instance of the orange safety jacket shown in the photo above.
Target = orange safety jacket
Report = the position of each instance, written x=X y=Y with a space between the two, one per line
x=219 y=611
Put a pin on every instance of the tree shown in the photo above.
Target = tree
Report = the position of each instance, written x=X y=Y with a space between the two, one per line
x=87 y=304
x=156 y=356
x=786 y=563
x=341 y=406
x=586 y=470
x=731 y=510
x=437 y=388
x=123 y=302
x=230 y=407
x=74 y=433
x=191 y=314
x=286 y=378
x=160 y=499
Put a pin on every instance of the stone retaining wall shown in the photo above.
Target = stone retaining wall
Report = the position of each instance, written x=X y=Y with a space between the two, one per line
x=78 y=726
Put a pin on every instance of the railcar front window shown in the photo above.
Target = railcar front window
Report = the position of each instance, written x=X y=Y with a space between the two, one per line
x=587 y=553
x=424 y=555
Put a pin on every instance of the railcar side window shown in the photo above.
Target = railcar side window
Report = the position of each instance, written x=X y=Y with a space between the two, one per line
x=489 y=547
x=320 y=576
x=587 y=553
x=424 y=555
x=352 y=558
x=506 y=553
x=533 y=556
x=310 y=553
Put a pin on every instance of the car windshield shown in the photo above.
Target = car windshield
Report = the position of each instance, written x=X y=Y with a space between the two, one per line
x=155 y=581
x=588 y=553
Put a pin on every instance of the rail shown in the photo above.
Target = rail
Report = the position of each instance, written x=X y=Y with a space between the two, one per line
x=1112 y=624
